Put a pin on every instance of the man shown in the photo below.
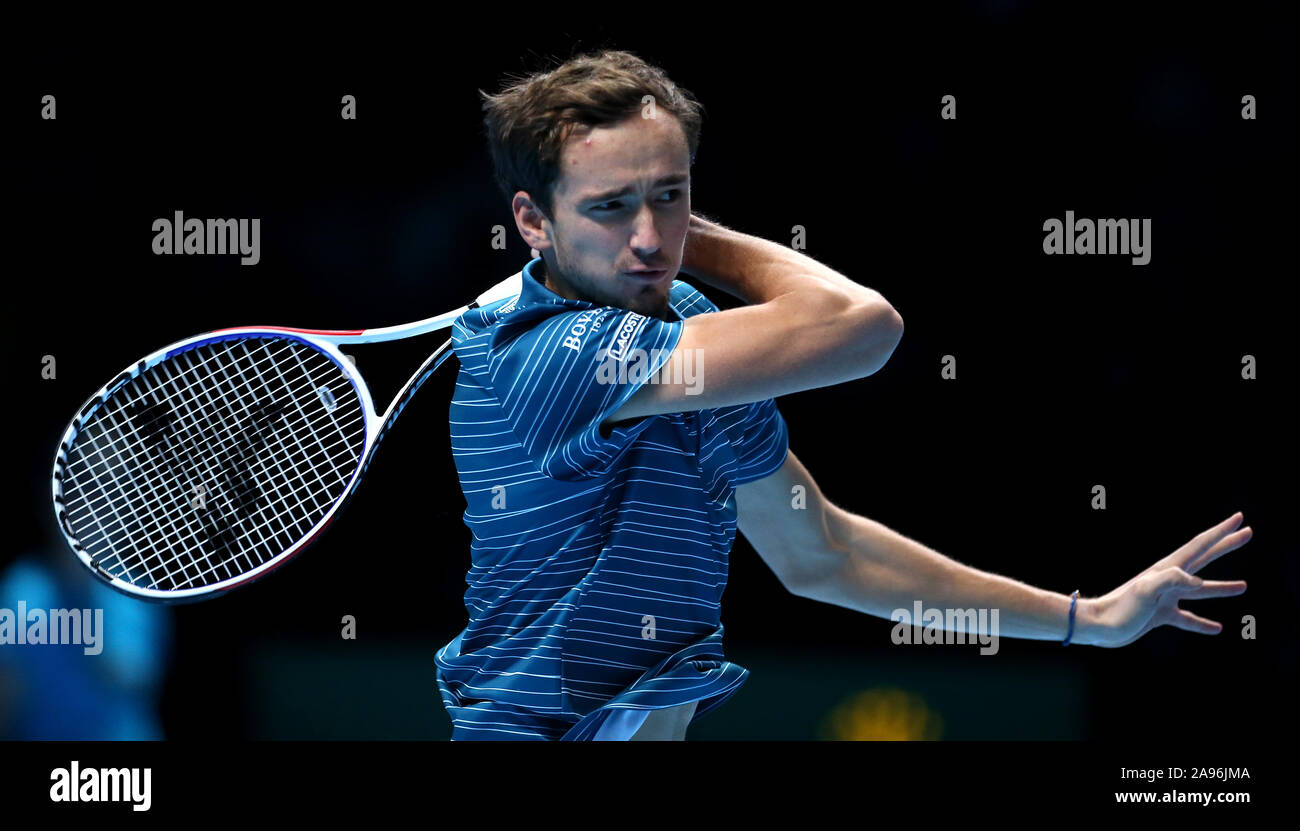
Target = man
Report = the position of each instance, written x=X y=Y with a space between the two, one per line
x=612 y=430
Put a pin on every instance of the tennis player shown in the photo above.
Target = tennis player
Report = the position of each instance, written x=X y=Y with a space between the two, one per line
x=612 y=429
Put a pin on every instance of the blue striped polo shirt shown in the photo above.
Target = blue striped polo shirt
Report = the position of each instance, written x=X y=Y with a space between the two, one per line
x=599 y=555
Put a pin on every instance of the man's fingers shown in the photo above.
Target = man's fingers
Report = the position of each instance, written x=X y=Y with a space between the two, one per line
x=1178 y=582
x=1214 y=588
x=1210 y=537
x=1231 y=542
x=1195 y=623
x=1193 y=551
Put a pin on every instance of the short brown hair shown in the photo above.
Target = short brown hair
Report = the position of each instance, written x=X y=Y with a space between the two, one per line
x=528 y=122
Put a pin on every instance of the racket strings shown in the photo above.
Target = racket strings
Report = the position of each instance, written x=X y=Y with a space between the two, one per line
x=154 y=468
x=109 y=422
x=213 y=462
x=176 y=398
x=228 y=454
x=205 y=418
x=239 y=494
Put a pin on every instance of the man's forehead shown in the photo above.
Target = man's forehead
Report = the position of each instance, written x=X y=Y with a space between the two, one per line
x=633 y=148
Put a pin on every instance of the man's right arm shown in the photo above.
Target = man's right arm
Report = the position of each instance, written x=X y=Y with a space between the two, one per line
x=807 y=326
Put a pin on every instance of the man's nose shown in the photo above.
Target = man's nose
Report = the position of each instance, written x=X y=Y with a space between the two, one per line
x=645 y=236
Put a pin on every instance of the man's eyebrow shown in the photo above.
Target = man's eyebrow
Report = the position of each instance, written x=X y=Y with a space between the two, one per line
x=663 y=181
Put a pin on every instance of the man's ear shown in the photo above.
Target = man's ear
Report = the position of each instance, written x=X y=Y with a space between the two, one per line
x=521 y=205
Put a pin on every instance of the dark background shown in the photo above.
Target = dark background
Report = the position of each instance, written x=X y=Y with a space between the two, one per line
x=1072 y=371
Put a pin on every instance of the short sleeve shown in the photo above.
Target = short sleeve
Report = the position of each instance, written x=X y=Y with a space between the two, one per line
x=559 y=377
x=764 y=442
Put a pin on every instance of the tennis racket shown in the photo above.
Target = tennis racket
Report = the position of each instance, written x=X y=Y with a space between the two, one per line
x=213 y=461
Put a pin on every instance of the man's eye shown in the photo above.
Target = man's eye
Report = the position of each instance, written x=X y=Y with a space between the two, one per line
x=607 y=207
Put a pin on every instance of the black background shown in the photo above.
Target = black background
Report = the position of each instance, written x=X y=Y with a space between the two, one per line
x=1072 y=371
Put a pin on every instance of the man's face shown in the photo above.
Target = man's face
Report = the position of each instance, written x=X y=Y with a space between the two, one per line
x=622 y=202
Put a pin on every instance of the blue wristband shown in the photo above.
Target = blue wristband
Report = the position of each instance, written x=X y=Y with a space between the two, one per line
x=1074 y=599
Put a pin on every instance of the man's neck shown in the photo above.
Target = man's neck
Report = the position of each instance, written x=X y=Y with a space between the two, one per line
x=544 y=277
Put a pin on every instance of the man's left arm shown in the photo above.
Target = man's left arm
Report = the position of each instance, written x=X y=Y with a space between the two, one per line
x=822 y=552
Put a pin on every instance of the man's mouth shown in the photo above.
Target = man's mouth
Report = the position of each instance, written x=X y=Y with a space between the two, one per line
x=648 y=276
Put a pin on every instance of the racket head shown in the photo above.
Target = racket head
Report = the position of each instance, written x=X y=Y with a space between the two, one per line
x=211 y=462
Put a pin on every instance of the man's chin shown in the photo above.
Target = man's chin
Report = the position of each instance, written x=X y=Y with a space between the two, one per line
x=658 y=308
x=648 y=298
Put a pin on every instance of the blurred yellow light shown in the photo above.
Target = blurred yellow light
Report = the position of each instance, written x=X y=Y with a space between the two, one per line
x=882 y=714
